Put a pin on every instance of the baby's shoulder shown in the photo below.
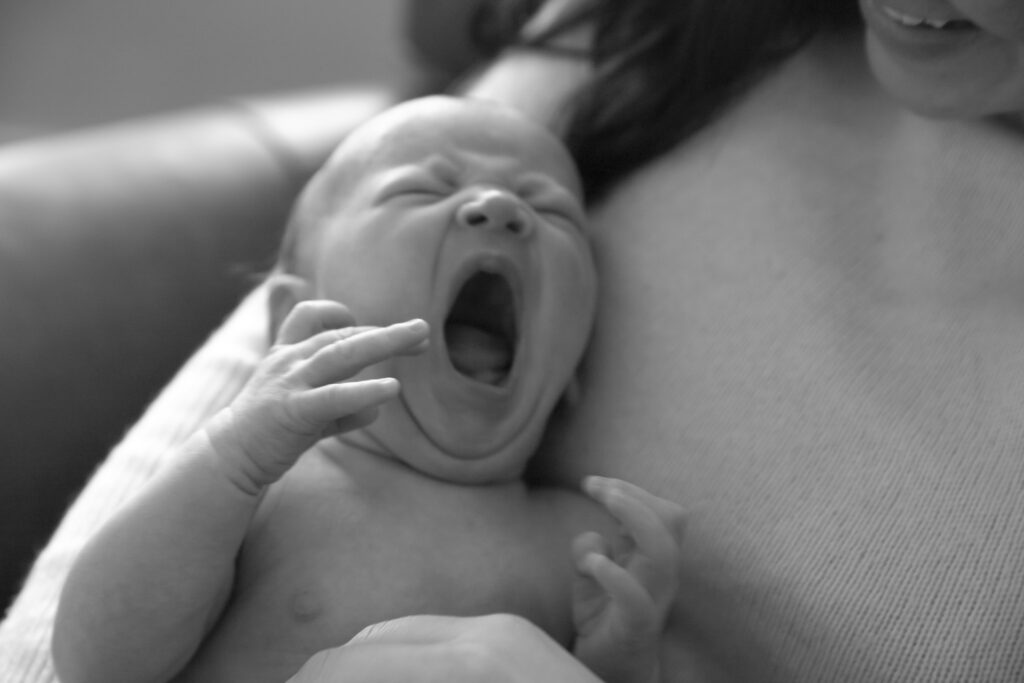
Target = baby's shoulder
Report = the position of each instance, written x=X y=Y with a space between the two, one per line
x=570 y=510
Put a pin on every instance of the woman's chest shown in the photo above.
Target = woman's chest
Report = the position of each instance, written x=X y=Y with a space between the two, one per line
x=824 y=366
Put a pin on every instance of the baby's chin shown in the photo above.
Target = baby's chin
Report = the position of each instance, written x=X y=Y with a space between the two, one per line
x=420 y=454
x=498 y=467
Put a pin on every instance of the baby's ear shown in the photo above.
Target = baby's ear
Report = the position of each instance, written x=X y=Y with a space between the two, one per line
x=286 y=290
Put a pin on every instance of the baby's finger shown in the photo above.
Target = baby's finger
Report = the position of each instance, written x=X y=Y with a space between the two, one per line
x=309 y=347
x=316 y=409
x=671 y=513
x=354 y=421
x=588 y=596
x=632 y=599
x=657 y=548
x=589 y=542
x=311 y=317
x=346 y=357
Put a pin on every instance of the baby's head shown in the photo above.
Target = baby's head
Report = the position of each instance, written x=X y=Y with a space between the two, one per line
x=469 y=216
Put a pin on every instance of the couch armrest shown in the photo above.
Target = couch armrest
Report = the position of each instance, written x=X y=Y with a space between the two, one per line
x=120 y=248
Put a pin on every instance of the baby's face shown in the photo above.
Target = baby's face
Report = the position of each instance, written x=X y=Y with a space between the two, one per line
x=956 y=58
x=469 y=217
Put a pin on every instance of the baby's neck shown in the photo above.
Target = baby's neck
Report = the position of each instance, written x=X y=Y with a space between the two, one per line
x=358 y=452
x=364 y=458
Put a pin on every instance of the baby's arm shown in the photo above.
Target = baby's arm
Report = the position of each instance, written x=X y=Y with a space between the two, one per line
x=625 y=587
x=148 y=587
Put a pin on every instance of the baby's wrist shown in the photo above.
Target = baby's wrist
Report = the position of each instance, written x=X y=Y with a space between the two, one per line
x=231 y=457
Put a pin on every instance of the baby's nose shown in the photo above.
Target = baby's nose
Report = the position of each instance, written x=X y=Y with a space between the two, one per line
x=495 y=210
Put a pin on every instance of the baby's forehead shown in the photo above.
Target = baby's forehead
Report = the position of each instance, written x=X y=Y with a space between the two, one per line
x=463 y=146
x=449 y=115
x=418 y=137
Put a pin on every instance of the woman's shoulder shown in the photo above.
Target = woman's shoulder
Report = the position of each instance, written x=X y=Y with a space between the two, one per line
x=818 y=125
x=807 y=336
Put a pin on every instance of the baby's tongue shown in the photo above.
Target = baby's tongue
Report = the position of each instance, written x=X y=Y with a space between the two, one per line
x=478 y=353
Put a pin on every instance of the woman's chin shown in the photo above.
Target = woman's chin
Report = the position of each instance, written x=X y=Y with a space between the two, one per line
x=954 y=91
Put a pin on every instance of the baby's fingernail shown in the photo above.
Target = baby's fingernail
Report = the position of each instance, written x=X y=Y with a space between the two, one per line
x=591 y=561
x=389 y=385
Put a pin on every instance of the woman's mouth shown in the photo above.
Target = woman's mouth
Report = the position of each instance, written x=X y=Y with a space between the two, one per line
x=912 y=21
x=481 y=330
x=919 y=31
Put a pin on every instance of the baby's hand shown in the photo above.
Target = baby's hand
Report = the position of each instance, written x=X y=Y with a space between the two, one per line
x=625 y=586
x=298 y=393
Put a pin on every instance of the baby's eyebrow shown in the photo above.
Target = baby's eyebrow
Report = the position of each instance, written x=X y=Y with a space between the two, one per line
x=542 y=186
x=391 y=174
x=440 y=165
x=407 y=169
x=542 y=183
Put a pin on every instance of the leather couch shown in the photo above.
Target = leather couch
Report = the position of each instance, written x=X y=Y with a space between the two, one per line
x=120 y=249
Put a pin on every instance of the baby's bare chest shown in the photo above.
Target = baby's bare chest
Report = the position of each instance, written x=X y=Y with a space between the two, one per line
x=325 y=559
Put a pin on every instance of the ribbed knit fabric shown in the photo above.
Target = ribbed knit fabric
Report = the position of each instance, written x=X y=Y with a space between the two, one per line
x=205 y=384
x=811 y=336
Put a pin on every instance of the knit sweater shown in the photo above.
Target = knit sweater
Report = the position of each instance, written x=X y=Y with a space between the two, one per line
x=812 y=336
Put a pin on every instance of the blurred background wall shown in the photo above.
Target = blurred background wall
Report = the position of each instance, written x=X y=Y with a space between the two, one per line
x=70 y=63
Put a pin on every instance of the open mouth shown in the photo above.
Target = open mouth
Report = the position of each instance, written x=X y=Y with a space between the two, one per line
x=925 y=23
x=481 y=330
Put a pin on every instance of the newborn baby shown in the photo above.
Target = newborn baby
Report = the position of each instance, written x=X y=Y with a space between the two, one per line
x=434 y=296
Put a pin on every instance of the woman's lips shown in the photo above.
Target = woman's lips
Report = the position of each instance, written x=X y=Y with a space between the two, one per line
x=919 y=32
x=912 y=20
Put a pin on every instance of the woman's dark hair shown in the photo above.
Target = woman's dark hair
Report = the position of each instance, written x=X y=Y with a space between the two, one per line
x=664 y=68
